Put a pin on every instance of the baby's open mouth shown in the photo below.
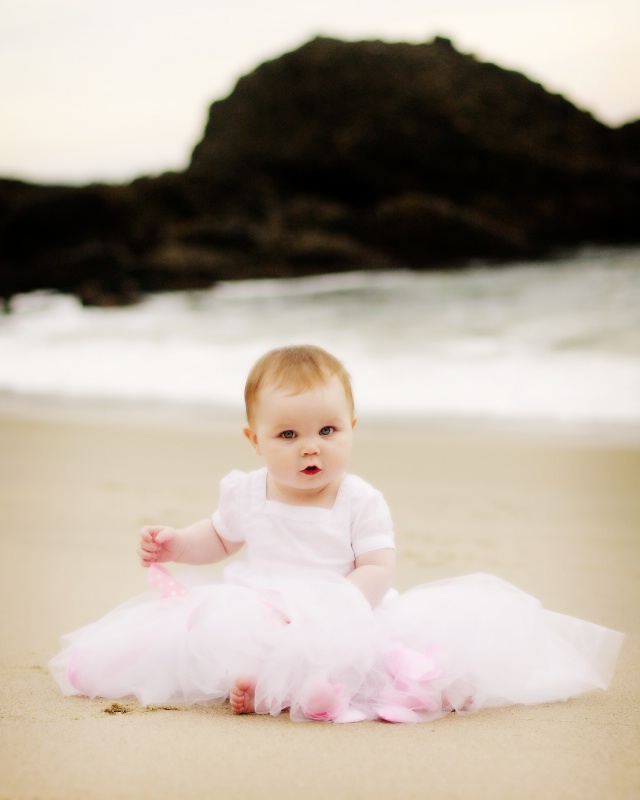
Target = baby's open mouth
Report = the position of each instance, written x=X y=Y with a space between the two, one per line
x=310 y=470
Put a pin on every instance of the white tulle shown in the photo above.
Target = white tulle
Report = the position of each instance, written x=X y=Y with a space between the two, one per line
x=312 y=645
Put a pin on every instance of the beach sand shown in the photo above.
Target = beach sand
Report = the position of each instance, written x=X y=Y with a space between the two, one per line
x=559 y=517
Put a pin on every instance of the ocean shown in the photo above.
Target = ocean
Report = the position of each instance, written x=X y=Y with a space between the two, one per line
x=550 y=342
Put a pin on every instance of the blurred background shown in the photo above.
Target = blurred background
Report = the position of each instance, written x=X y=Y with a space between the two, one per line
x=479 y=260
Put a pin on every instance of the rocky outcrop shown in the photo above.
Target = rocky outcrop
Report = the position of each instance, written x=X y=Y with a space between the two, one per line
x=340 y=156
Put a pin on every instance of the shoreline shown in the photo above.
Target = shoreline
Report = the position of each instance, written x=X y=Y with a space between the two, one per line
x=171 y=414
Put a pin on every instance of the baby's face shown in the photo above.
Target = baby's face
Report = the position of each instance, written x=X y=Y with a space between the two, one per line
x=305 y=438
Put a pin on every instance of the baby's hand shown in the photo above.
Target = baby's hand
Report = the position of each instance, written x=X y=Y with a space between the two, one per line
x=158 y=543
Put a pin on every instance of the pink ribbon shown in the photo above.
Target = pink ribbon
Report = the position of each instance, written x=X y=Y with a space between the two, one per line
x=163 y=581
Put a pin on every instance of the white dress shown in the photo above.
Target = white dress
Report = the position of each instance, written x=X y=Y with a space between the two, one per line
x=286 y=617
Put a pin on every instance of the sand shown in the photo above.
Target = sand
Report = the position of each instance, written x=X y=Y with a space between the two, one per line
x=558 y=516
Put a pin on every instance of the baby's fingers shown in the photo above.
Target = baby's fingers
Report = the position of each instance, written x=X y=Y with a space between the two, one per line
x=148 y=550
x=149 y=532
x=148 y=546
x=147 y=558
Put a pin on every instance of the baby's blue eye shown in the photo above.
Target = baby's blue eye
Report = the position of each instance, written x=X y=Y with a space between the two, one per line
x=288 y=435
x=327 y=430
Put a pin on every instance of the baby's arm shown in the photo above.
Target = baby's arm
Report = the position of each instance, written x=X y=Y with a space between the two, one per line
x=199 y=543
x=373 y=574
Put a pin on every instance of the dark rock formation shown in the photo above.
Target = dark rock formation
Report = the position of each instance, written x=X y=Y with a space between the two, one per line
x=340 y=156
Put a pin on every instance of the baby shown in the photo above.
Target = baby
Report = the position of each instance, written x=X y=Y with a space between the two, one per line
x=300 y=420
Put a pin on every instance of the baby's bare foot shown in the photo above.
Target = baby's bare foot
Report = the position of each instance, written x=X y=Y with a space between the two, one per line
x=242 y=696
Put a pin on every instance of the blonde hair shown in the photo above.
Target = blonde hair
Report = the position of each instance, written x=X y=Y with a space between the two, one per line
x=298 y=366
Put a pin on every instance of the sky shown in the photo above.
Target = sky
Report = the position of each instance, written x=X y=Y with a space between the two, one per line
x=107 y=90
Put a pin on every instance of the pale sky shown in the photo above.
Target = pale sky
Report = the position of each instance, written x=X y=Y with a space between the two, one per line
x=112 y=89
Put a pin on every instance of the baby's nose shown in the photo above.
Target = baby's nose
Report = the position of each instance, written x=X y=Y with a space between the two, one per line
x=310 y=447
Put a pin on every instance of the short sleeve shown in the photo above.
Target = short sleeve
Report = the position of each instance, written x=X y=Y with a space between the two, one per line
x=371 y=525
x=227 y=518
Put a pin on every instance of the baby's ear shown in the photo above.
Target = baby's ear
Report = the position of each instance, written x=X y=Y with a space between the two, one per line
x=252 y=437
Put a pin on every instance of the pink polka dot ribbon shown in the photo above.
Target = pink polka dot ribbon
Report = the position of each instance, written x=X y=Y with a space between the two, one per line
x=163 y=581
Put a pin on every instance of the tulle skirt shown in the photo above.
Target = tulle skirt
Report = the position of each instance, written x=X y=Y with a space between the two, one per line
x=310 y=643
